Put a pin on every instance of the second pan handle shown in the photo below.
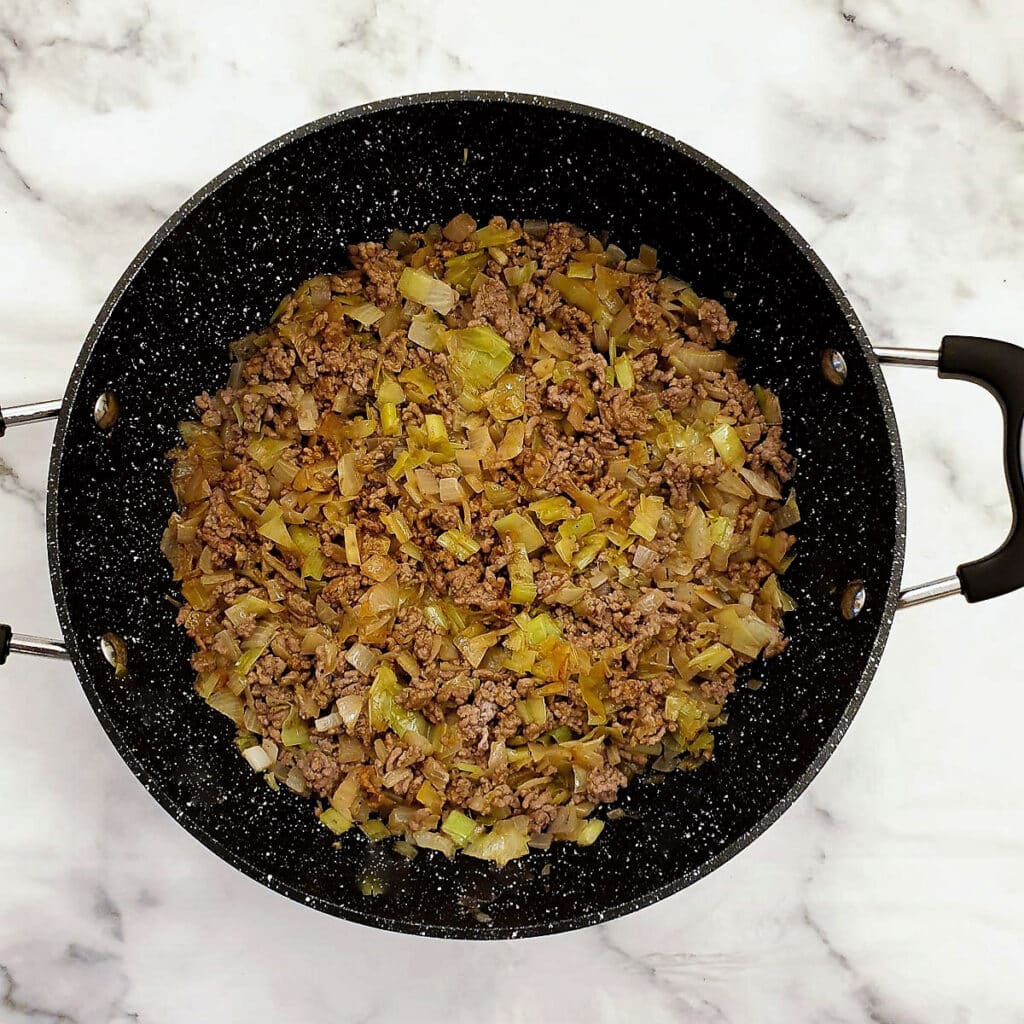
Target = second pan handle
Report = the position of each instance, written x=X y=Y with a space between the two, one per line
x=11 y=642
x=998 y=367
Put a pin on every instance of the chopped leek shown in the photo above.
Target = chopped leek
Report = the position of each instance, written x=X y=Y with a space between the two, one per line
x=419 y=385
x=649 y=511
x=789 y=514
x=422 y=287
x=769 y=405
x=728 y=445
x=352 y=545
x=520 y=530
x=459 y=543
x=490 y=236
x=276 y=531
x=265 y=451
x=710 y=659
x=459 y=827
x=533 y=710
x=459 y=271
x=383 y=709
x=520 y=573
x=335 y=821
x=294 y=731
x=552 y=510
x=375 y=831
x=365 y=313
x=504 y=842
x=479 y=355
x=582 y=295
x=624 y=373
x=390 y=421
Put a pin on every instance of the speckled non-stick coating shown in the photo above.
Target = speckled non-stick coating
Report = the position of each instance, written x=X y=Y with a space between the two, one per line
x=218 y=269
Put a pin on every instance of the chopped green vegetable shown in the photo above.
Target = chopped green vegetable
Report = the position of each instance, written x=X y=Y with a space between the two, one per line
x=520 y=573
x=551 y=510
x=375 y=831
x=769 y=405
x=728 y=444
x=649 y=511
x=789 y=514
x=479 y=355
x=459 y=543
x=390 y=421
x=520 y=530
x=460 y=271
x=383 y=709
x=267 y=450
x=710 y=659
x=624 y=373
x=275 y=530
x=589 y=832
x=459 y=827
x=418 y=383
x=294 y=731
x=424 y=288
x=488 y=236
x=335 y=821
x=533 y=710
x=582 y=295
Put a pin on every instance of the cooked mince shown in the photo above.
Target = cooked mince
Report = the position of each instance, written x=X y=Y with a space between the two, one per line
x=480 y=529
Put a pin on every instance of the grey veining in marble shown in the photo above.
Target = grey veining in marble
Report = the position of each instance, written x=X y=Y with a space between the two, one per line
x=891 y=135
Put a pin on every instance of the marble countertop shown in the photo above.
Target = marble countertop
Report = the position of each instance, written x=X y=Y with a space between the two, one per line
x=892 y=136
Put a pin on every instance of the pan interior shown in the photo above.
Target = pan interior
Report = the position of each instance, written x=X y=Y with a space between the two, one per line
x=219 y=270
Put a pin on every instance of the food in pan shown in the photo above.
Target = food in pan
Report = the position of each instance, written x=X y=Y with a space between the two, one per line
x=478 y=530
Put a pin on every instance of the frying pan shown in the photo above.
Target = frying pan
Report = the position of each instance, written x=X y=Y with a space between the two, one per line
x=217 y=269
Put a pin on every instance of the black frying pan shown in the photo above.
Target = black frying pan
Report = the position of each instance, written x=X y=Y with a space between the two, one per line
x=217 y=269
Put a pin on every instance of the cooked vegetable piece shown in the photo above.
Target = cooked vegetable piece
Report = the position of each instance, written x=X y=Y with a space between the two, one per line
x=424 y=288
x=479 y=355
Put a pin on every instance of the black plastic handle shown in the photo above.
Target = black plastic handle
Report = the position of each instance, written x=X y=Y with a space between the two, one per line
x=5 y=642
x=3 y=430
x=999 y=368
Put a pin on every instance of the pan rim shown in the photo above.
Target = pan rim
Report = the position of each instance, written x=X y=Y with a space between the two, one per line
x=466 y=930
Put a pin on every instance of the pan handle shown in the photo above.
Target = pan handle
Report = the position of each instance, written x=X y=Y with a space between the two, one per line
x=998 y=367
x=20 y=643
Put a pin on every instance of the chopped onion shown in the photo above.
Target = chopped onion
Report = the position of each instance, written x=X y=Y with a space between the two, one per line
x=644 y=557
x=450 y=491
x=759 y=483
x=327 y=722
x=350 y=706
x=259 y=760
x=362 y=658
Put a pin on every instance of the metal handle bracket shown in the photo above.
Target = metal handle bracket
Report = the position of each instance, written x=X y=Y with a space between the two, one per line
x=33 y=412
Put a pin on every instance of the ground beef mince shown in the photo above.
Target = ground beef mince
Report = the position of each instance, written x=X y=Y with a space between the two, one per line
x=480 y=529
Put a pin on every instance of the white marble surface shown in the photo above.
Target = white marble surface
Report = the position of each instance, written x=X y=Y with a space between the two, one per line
x=890 y=133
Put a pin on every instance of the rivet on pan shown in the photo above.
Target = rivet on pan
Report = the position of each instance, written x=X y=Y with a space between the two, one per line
x=107 y=410
x=833 y=366
x=854 y=598
x=115 y=651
